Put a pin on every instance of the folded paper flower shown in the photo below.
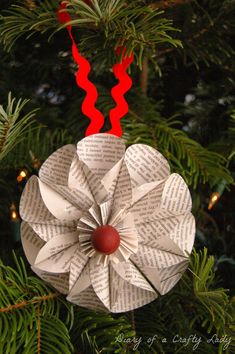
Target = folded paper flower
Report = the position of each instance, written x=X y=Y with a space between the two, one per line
x=110 y=228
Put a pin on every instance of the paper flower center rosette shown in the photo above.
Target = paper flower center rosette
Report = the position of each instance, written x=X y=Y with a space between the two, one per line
x=111 y=228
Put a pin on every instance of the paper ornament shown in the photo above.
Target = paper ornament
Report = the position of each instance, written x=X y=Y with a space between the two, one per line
x=110 y=228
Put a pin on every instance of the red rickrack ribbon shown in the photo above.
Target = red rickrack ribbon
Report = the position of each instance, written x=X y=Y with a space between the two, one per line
x=117 y=92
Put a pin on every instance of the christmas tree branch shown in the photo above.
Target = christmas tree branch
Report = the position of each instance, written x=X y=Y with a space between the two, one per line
x=39 y=323
x=208 y=41
x=144 y=76
x=37 y=143
x=186 y=156
x=215 y=301
x=202 y=31
x=111 y=24
x=12 y=126
x=140 y=27
x=203 y=309
x=29 y=307
x=36 y=300
x=39 y=329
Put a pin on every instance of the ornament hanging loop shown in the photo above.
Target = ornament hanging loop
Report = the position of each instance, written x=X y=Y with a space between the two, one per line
x=117 y=92
x=84 y=68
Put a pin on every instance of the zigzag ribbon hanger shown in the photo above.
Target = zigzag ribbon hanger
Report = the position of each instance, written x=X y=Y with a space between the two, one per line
x=117 y=92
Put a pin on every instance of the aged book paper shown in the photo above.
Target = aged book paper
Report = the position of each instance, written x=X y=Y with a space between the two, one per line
x=100 y=184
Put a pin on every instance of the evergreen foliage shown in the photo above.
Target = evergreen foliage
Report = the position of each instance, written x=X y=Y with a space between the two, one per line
x=184 y=108
x=114 y=22
x=194 y=307
x=34 y=318
x=186 y=156
x=12 y=129
x=30 y=314
x=32 y=143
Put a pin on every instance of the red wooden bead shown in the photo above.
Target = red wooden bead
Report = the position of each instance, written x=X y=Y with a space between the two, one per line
x=105 y=239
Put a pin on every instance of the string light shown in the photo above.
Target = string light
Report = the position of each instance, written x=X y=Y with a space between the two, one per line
x=220 y=187
x=15 y=224
x=22 y=175
x=213 y=200
x=215 y=196
x=14 y=213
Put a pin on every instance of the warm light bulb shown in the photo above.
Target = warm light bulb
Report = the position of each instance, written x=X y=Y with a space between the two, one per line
x=213 y=200
x=14 y=215
x=23 y=174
